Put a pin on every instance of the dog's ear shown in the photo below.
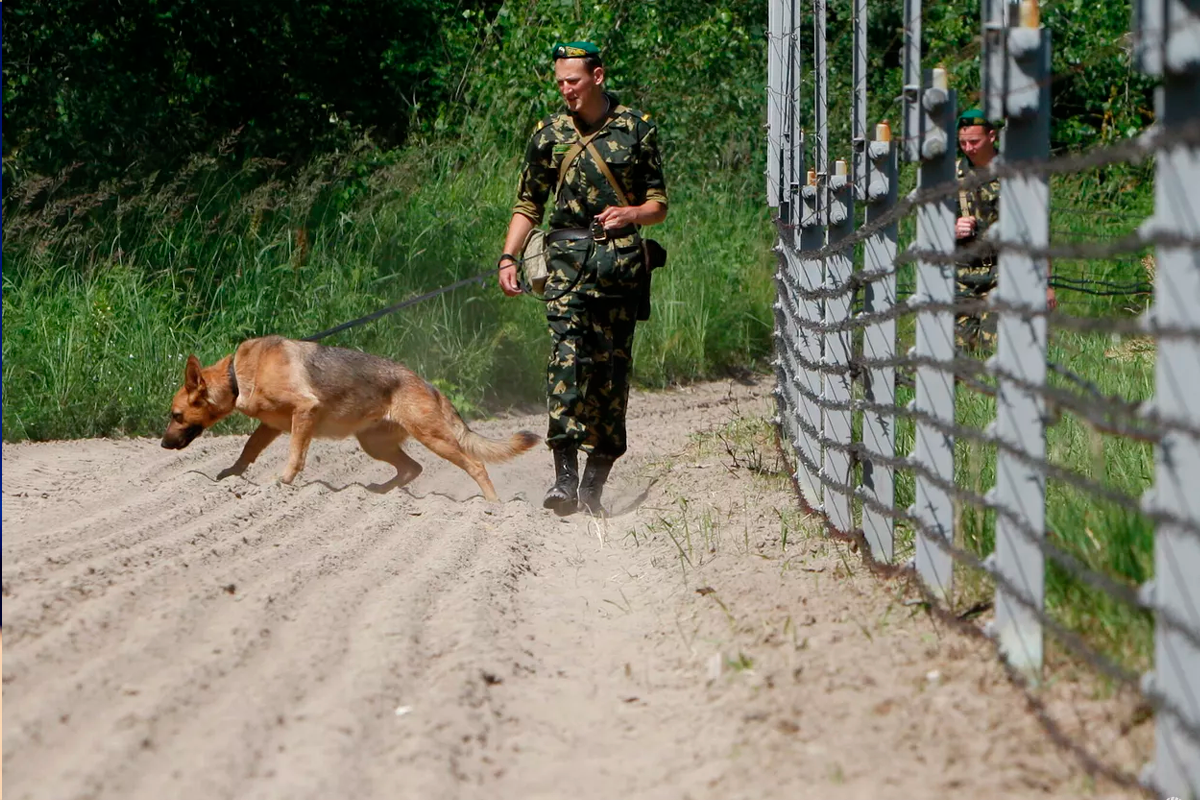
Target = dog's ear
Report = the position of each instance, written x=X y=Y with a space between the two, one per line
x=193 y=377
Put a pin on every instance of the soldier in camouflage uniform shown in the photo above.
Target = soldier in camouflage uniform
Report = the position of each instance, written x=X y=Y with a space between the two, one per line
x=598 y=284
x=978 y=209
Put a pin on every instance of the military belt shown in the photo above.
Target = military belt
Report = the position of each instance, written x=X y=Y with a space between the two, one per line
x=574 y=234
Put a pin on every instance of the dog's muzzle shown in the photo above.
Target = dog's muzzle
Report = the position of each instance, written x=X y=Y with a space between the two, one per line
x=182 y=439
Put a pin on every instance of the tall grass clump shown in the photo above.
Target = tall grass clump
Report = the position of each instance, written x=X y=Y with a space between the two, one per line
x=107 y=290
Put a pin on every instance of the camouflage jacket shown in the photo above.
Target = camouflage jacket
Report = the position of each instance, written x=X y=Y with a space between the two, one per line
x=629 y=145
x=983 y=202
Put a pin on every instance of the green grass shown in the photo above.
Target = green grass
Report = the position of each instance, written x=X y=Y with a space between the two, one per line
x=100 y=314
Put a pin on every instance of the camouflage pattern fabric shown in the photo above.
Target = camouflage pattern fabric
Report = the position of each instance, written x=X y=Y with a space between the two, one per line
x=594 y=288
x=976 y=275
x=588 y=374
x=628 y=143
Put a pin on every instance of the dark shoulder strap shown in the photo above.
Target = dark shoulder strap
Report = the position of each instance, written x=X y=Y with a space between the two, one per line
x=584 y=143
x=612 y=179
x=570 y=156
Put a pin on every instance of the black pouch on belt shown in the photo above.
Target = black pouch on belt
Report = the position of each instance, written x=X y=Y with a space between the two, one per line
x=656 y=254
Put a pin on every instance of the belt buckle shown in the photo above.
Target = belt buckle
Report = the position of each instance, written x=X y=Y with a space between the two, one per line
x=599 y=234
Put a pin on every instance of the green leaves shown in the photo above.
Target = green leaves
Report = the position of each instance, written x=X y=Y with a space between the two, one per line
x=128 y=88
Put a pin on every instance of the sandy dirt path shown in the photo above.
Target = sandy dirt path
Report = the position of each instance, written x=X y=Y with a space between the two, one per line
x=170 y=636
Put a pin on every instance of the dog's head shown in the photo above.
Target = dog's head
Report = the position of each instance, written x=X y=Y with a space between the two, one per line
x=192 y=409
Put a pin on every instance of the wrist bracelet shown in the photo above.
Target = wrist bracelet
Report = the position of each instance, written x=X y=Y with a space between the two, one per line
x=508 y=256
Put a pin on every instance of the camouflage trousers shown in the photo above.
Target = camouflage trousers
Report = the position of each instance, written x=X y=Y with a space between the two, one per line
x=592 y=314
x=587 y=379
x=975 y=331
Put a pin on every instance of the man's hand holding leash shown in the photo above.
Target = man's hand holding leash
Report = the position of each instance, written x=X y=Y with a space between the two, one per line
x=518 y=230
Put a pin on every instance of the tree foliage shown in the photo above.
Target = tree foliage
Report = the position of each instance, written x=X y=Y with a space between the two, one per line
x=125 y=89
x=142 y=85
x=1096 y=93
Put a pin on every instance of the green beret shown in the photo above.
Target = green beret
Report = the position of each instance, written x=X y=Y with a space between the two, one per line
x=575 y=50
x=973 y=117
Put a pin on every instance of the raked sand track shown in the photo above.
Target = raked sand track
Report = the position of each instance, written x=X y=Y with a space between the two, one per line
x=170 y=636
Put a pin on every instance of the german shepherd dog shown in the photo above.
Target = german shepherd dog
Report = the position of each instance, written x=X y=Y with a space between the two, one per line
x=330 y=392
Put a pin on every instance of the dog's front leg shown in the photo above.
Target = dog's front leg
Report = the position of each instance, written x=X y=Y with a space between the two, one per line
x=303 y=423
x=257 y=442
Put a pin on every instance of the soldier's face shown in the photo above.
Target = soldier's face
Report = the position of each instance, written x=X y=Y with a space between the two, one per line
x=978 y=144
x=579 y=86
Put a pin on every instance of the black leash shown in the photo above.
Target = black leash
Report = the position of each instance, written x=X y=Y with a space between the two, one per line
x=526 y=289
x=383 y=312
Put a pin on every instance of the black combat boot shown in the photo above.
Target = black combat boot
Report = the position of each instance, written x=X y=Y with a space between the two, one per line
x=563 y=496
x=592 y=485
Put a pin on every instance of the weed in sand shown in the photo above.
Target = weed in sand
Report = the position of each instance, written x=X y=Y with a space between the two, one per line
x=743 y=663
x=625 y=606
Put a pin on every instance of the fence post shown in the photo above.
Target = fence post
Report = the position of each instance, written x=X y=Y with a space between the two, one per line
x=774 y=102
x=820 y=77
x=858 y=115
x=1021 y=350
x=913 y=118
x=838 y=268
x=992 y=65
x=811 y=278
x=818 y=186
x=787 y=333
x=774 y=175
x=1168 y=37
x=934 y=450
x=879 y=342
x=928 y=131
x=806 y=386
x=796 y=110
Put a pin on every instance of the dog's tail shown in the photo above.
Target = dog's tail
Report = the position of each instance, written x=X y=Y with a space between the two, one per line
x=491 y=451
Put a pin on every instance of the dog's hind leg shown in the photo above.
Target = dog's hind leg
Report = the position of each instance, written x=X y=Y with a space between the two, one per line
x=444 y=444
x=257 y=442
x=384 y=444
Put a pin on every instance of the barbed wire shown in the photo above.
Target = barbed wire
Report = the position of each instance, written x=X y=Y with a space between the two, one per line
x=1069 y=562
x=1072 y=640
x=1128 y=244
x=950 y=428
x=1117 y=290
x=906 y=572
x=813 y=330
x=1080 y=285
x=1069 y=638
x=1102 y=411
x=1145 y=325
x=972 y=367
x=1133 y=149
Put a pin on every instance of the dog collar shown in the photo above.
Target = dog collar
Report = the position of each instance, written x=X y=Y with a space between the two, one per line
x=233 y=386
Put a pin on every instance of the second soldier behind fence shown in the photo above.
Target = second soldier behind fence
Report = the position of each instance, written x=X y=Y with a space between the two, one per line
x=598 y=166
x=978 y=212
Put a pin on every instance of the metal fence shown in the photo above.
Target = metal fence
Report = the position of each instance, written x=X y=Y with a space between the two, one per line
x=843 y=334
